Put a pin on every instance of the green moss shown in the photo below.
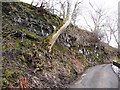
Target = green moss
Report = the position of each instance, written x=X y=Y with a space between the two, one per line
x=55 y=19
x=10 y=77
x=30 y=34
x=40 y=18
x=4 y=82
x=4 y=47
x=117 y=59
x=89 y=49
x=17 y=44
x=59 y=27
x=27 y=42
x=8 y=74
x=46 y=41
x=23 y=60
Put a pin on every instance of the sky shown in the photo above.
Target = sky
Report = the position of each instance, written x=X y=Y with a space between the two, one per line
x=106 y=3
x=111 y=5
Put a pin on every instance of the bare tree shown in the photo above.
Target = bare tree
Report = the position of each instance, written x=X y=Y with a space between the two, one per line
x=98 y=15
x=113 y=29
x=63 y=8
x=66 y=10
x=38 y=3
x=76 y=12
x=96 y=22
x=49 y=42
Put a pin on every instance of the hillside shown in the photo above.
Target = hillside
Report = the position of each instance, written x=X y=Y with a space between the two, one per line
x=24 y=30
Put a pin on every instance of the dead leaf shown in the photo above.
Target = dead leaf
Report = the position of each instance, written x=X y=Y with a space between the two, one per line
x=10 y=44
x=23 y=83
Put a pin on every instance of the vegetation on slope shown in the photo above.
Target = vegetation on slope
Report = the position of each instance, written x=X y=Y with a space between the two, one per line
x=25 y=28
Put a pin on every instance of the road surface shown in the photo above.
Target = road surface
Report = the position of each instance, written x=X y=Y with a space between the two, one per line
x=100 y=76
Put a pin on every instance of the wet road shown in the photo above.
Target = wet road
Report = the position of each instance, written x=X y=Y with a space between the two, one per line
x=100 y=76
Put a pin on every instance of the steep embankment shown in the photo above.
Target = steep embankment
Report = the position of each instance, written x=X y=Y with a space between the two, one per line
x=25 y=28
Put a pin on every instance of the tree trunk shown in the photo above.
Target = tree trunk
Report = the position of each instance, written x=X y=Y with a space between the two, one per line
x=53 y=37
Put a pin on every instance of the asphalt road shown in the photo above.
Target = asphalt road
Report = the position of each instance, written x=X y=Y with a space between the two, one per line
x=100 y=76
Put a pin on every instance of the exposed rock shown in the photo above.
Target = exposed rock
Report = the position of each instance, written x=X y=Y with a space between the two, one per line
x=25 y=27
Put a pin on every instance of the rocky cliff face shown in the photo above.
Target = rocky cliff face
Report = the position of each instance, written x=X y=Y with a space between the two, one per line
x=25 y=27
